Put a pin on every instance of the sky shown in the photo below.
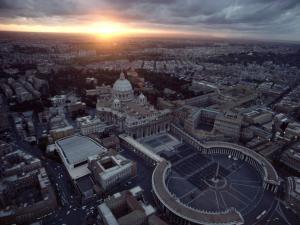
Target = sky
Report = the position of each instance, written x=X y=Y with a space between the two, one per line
x=254 y=19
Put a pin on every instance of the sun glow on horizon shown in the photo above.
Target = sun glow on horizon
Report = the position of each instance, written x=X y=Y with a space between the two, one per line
x=106 y=29
x=111 y=29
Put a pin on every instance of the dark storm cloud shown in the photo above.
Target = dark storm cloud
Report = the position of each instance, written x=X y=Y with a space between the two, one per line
x=36 y=8
x=261 y=15
x=267 y=16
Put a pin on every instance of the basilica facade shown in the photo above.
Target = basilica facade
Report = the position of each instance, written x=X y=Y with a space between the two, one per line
x=131 y=114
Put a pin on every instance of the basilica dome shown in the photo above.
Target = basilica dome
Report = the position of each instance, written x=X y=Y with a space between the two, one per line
x=122 y=89
x=122 y=84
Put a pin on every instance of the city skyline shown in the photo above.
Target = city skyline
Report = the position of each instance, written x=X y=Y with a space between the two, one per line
x=269 y=20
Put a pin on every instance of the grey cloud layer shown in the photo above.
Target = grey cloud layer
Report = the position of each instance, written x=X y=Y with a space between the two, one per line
x=252 y=15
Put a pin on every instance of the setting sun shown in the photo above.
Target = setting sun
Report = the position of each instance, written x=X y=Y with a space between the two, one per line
x=111 y=29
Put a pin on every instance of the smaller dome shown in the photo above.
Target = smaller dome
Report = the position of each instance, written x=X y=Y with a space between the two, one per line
x=142 y=99
x=142 y=96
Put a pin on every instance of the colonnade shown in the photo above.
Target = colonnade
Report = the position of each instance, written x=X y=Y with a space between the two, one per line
x=218 y=149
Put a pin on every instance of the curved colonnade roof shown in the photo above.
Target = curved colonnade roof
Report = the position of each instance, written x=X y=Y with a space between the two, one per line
x=271 y=175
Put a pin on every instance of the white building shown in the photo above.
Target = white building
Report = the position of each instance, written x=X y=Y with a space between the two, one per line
x=58 y=100
x=74 y=152
x=293 y=130
x=228 y=124
x=59 y=128
x=110 y=170
x=89 y=125
x=292 y=192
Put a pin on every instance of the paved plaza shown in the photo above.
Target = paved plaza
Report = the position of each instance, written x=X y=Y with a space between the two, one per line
x=217 y=182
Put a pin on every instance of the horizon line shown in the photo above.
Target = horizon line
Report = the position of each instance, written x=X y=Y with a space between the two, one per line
x=179 y=35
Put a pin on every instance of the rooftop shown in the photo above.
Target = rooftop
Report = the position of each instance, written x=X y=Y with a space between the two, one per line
x=77 y=149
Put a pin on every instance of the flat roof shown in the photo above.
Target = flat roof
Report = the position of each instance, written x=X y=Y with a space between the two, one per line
x=84 y=184
x=77 y=149
x=107 y=214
